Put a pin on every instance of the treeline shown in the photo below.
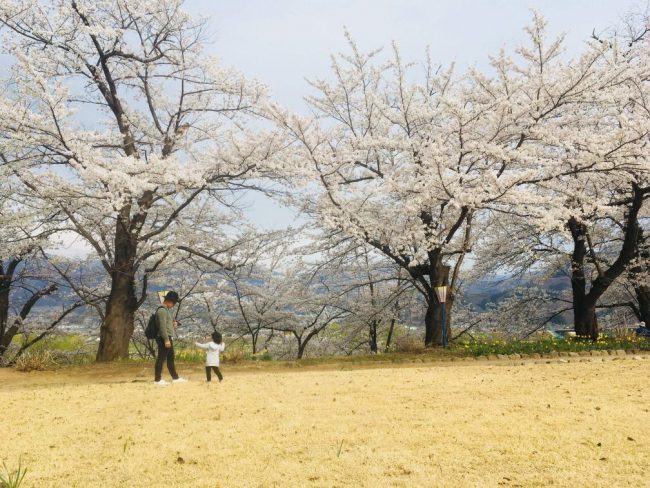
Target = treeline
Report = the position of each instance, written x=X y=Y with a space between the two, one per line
x=119 y=131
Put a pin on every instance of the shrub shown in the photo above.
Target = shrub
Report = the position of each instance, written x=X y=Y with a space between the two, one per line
x=264 y=355
x=234 y=354
x=12 y=479
x=487 y=347
x=39 y=360
x=409 y=344
x=190 y=355
x=64 y=342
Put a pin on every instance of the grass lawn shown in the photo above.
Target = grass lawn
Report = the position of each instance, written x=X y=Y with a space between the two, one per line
x=434 y=424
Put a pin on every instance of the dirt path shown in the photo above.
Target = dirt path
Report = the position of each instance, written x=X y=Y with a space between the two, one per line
x=452 y=424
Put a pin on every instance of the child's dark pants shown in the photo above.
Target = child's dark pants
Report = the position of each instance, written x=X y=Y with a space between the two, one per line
x=165 y=354
x=208 y=373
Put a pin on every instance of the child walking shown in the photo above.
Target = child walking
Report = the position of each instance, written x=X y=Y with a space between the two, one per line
x=213 y=349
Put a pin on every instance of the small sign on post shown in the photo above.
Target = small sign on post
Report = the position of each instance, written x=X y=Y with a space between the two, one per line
x=161 y=295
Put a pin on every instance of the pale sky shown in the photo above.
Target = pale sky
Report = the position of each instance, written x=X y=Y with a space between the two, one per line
x=281 y=42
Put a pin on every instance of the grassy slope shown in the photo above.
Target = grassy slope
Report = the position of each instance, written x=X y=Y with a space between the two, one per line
x=482 y=424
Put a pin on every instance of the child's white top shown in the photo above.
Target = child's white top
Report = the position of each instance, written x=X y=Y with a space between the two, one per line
x=212 y=357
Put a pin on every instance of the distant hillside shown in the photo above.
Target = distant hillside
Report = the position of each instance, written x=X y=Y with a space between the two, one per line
x=480 y=293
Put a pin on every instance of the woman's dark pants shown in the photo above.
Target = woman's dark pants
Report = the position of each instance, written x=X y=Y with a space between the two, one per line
x=167 y=354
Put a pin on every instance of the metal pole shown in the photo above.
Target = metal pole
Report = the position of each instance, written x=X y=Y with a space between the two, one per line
x=444 y=327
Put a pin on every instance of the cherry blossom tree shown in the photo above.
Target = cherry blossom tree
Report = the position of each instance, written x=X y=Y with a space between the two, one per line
x=412 y=167
x=124 y=124
x=371 y=288
x=585 y=218
x=249 y=295
x=591 y=249
x=636 y=286
x=279 y=292
x=26 y=275
x=311 y=307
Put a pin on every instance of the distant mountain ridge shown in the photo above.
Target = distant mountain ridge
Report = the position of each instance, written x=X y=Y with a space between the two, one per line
x=481 y=293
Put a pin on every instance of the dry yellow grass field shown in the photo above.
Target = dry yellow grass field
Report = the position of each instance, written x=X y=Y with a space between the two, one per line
x=455 y=424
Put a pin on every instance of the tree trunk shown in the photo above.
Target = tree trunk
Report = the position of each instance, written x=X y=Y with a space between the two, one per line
x=373 y=336
x=439 y=276
x=433 y=323
x=584 y=314
x=8 y=332
x=643 y=297
x=6 y=280
x=584 y=303
x=449 y=306
x=639 y=274
x=117 y=328
x=303 y=340
x=585 y=320
x=433 y=329
x=4 y=314
x=301 y=348
x=389 y=337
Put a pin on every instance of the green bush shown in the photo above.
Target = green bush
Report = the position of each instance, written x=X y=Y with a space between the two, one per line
x=59 y=349
x=186 y=351
x=487 y=347
x=64 y=342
